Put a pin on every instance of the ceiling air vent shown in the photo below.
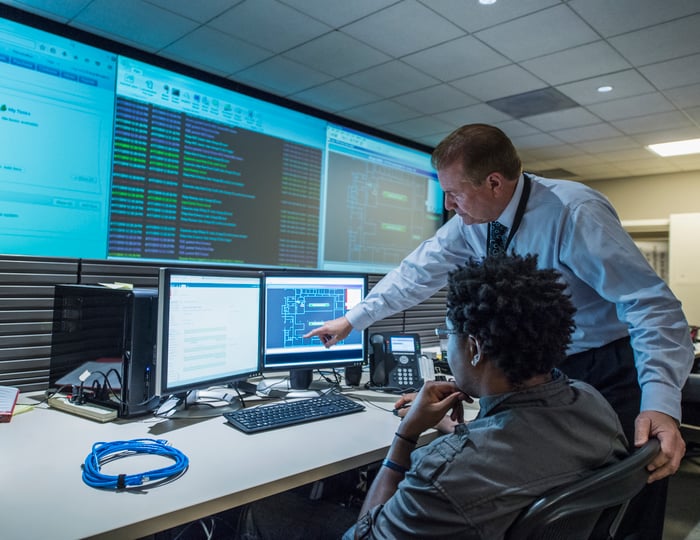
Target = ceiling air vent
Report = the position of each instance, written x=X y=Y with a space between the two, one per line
x=535 y=102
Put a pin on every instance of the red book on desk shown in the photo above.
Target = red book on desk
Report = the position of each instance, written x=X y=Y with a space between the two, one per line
x=8 y=399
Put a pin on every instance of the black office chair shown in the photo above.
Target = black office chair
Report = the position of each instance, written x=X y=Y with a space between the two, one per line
x=690 y=404
x=589 y=509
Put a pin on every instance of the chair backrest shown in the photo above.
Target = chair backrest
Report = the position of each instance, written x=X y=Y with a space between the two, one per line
x=590 y=508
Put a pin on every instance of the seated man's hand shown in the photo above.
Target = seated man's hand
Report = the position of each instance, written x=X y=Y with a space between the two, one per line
x=445 y=425
x=430 y=406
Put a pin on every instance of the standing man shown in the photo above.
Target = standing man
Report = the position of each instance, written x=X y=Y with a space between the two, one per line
x=631 y=341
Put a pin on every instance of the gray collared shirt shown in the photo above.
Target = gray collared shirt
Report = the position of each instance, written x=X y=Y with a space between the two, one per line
x=473 y=483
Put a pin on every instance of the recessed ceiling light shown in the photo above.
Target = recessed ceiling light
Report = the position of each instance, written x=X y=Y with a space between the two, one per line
x=676 y=148
x=487 y=2
x=603 y=89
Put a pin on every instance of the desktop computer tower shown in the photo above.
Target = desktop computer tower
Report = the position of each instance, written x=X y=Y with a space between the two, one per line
x=112 y=334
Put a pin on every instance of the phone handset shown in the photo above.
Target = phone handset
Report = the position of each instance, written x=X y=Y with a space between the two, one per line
x=396 y=361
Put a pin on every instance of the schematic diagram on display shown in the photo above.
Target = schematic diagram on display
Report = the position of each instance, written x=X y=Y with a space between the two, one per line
x=294 y=311
x=302 y=309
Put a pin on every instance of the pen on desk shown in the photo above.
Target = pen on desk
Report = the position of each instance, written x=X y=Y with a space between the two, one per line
x=397 y=409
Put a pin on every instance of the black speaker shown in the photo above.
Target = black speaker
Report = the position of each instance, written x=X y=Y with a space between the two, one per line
x=353 y=375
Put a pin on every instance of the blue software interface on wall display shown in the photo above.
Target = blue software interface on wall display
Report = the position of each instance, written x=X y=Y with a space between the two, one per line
x=382 y=200
x=204 y=173
x=105 y=156
x=56 y=105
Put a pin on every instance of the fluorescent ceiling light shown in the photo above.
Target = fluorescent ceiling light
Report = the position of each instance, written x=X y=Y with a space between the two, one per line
x=676 y=148
x=603 y=89
x=487 y=2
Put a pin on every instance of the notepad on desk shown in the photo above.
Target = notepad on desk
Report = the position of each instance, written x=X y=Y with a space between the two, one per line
x=8 y=400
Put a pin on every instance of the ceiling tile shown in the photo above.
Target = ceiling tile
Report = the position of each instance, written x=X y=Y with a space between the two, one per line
x=269 y=24
x=473 y=16
x=673 y=73
x=455 y=59
x=433 y=140
x=391 y=79
x=652 y=122
x=686 y=163
x=598 y=170
x=612 y=18
x=335 y=96
x=574 y=64
x=586 y=133
x=662 y=42
x=403 y=28
x=282 y=76
x=625 y=83
x=667 y=135
x=694 y=113
x=530 y=142
x=418 y=127
x=132 y=22
x=577 y=116
x=210 y=49
x=337 y=54
x=380 y=113
x=606 y=145
x=473 y=114
x=629 y=154
x=571 y=31
x=62 y=11
x=633 y=106
x=643 y=167
x=499 y=82
x=340 y=13
x=555 y=152
x=197 y=11
x=516 y=128
x=686 y=96
x=435 y=99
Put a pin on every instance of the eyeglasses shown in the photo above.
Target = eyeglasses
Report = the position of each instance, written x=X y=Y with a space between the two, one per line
x=444 y=333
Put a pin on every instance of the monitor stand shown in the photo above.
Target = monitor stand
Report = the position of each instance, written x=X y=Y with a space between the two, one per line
x=300 y=379
x=207 y=403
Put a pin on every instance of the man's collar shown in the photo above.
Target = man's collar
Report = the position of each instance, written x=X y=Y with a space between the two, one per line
x=508 y=215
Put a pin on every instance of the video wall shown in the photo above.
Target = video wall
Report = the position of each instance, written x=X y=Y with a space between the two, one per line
x=104 y=156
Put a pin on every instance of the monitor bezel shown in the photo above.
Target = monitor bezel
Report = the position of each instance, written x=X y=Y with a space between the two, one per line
x=164 y=285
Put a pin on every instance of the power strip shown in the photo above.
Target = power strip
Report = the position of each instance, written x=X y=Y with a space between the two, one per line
x=88 y=410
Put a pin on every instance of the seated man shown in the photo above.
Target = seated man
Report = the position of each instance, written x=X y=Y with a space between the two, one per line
x=509 y=325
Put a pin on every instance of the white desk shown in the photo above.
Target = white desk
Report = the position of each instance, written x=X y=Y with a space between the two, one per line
x=44 y=495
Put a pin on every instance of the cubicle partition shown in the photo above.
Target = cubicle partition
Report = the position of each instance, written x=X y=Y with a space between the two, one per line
x=26 y=309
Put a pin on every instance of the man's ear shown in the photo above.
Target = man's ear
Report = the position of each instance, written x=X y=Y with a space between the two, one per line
x=495 y=181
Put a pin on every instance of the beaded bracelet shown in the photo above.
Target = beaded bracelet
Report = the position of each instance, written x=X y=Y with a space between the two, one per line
x=394 y=466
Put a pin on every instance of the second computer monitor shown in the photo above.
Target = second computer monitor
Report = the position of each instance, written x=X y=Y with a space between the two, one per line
x=209 y=328
x=296 y=302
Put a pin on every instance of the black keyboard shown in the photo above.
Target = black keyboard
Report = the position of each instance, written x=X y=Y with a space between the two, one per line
x=287 y=413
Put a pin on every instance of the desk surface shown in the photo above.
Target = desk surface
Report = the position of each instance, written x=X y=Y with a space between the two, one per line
x=44 y=495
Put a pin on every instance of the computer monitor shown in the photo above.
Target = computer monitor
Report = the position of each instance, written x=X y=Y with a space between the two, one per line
x=209 y=332
x=295 y=303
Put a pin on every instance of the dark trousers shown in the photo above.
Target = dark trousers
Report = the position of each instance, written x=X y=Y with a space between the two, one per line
x=611 y=370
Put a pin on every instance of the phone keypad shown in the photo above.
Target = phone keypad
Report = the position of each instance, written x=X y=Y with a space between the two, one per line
x=404 y=376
